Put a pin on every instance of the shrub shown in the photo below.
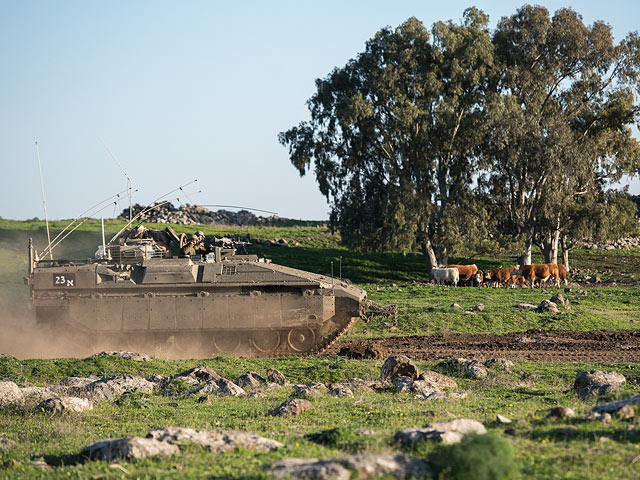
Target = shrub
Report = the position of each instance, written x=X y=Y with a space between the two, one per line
x=476 y=457
x=341 y=438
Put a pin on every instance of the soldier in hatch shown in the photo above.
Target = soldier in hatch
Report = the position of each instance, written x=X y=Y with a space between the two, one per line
x=203 y=245
x=190 y=247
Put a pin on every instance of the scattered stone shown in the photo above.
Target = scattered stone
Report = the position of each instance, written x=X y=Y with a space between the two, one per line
x=501 y=363
x=478 y=308
x=598 y=377
x=360 y=384
x=341 y=392
x=363 y=466
x=475 y=369
x=600 y=417
x=548 y=306
x=37 y=394
x=502 y=420
x=255 y=395
x=559 y=299
x=625 y=412
x=308 y=391
x=60 y=405
x=74 y=386
x=597 y=391
x=561 y=412
x=450 y=431
x=207 y=388
x=127 y=448
x=201 y=374
x=204 y=399
x=276 y=377
x=216 y=442
x=442 y=396
x=437 y=380
x=229 y=389
x=250 y=380
x=112 y=388
x=292 y=408
x=136 y=357
x=403 y=384
x=10 y=394
x=526 y=306
x=595 y=279
x=398 y=366
x=158 y=380
x=455 y=305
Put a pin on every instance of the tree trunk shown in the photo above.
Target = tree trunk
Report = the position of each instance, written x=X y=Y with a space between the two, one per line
x=429 y=256
x=554 y=247
x=528 y=243
x=549 y=247
x=444 y=258
x=565 y=252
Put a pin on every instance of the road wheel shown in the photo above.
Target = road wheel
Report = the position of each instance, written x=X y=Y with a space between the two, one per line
x=301 y=339
x=266 y=341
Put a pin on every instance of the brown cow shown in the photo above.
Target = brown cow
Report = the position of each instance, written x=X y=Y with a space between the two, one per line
x=500 y=276
x=466 y=271
x=533 y=273
x=562 y=274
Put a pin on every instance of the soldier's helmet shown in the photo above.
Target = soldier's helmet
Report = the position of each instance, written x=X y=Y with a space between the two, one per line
x=194 y=238
x=200 y=233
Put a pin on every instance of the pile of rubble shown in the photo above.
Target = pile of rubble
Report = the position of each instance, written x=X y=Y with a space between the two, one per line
x=195 y=215
x=615 y=244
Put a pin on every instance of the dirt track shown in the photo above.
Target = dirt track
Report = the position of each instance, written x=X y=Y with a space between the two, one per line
x=551 y=346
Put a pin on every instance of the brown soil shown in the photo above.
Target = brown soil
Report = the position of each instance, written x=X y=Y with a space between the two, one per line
x=539 y=345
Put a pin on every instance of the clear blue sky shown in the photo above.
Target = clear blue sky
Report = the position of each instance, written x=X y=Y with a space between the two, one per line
x=184 y=90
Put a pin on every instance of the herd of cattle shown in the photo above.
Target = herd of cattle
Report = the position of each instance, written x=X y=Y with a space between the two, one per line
x=500 y=277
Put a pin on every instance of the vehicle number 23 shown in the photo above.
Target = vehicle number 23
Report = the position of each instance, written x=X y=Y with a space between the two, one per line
x=68 y=280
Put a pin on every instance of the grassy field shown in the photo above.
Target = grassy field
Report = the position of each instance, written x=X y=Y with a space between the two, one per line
x=596 y=450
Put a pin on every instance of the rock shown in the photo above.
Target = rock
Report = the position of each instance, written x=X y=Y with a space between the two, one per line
x=207 y=388
x=229 y=389
x=255 y=395
x=598 y=377
x=597 y=391
x=136 y=357
x=403 y=384
x=201 y=374
x=74 y=386
x=204 y=399
x=422 y=387
x=127 y=448
x=455 y=305
x=250 y=380
x=215 y=441
x=10 y=394
x=308 y=468
x=625 y=412
x=502 y=420
x=276 y=377
x=112 y=388
x=441 y=396
x=341 y=392
x=158 y=380
x=309 y=390
x=60 y=405
x=561 y=412
x=559 y=299
x=360 y=384
x=37 y=394
x=292 y=408
x=475 y=369
x=478 y=308
x=501 y=363
x=526 y=306
x=363 y=466
x=398 y=366
x=595 y=279
x=548 y=306
x=450 y=431
x=437 y=380
x=600 y=417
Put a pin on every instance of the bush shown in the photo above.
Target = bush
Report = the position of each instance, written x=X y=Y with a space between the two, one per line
x=476 y=457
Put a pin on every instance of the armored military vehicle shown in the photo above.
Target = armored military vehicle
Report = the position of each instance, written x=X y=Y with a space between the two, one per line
x=137 y=294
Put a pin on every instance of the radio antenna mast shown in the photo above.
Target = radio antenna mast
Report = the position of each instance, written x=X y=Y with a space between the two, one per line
x=129 y=183
x=44 y=202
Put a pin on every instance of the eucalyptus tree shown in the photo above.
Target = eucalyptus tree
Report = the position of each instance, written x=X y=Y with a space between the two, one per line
x=393 y=137
x=565 y=99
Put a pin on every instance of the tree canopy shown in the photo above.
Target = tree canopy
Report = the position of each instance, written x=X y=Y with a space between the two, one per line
x=431 y=139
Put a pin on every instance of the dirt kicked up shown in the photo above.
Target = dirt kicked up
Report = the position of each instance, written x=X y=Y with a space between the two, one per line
x=534 y=345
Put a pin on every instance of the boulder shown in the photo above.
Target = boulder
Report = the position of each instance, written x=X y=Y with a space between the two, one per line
x=363 y=466
x=112 y=388
x=502 y=420
x=311 y=389
x=215 y=441
x=275 y=376
x=559 y=299
x=37 y=394
x=10 y=394
x=60 y=405
x=402 y=384
x=450 y=431
x=136 y=357
x=612 y=407
x=600 y=417
x=229 y=389
x=500 y=363
x=437 y=380
x=561 y=412
x=398 y=366
x=201 y=374
x=548 y=306
x=526 y=306
x=598 y=377
x=341 y=392
x=127 y=448
x=207 y=388
x=292 y=408
x=625 y=412
x=74 y=386
x=597 y=391
x=250 y=380
x=475 y=369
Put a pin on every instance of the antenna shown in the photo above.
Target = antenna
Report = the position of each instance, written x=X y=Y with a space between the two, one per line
x=44 y=202
x=129 y=183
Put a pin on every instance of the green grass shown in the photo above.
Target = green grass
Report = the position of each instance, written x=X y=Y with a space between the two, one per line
x=524 y=395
